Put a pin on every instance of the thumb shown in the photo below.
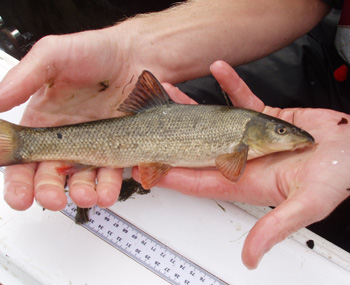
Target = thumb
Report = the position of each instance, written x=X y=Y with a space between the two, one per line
x=293 y=214
x=177 y=95
x=238 y=91
x=31 y=73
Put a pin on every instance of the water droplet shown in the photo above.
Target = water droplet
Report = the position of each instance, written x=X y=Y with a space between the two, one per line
x=334 y=162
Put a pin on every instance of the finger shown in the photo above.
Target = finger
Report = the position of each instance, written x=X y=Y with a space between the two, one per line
x=177 y=95
x=239 y=93
x=31 y=73
x=198 y=183
x=49 y=186
x=82 y=188
x=293 y=214
x=19 y=186
x=108 y=186
x=210 y=183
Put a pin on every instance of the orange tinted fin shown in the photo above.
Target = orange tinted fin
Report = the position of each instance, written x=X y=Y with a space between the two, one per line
x=148 y=93
x=231 y=165
x=151 y=173
x=68 y=169
x=8 y=143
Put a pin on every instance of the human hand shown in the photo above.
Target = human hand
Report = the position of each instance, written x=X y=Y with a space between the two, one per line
x=304 y=186
x=74 y=78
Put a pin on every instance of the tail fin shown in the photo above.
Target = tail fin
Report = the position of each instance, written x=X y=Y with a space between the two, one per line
x=8 y=143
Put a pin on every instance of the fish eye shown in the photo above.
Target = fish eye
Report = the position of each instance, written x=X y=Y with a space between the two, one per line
x=281 y=130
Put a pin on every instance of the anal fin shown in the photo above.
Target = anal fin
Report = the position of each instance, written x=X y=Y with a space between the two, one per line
x=232 y=165
x=152 y=172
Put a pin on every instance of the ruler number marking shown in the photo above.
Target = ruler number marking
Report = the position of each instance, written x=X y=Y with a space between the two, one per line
x=143 y=248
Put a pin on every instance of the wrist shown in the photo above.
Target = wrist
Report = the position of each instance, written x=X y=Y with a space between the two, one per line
x=152 y=45
x=172 y=44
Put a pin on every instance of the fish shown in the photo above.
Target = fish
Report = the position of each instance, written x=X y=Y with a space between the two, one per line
x=156 y=134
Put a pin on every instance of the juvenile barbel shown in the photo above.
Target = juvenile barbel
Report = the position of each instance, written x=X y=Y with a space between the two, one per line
x=156 y=135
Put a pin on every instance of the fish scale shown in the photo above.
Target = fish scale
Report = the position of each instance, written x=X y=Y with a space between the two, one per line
x=110 y=143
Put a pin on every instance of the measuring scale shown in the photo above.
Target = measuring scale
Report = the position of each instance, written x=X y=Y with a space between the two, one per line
x=140 y=246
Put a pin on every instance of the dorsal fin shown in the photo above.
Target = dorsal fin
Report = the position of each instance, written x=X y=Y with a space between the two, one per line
x=148 y=93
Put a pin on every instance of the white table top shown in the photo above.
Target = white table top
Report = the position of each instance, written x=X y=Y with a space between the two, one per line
x=44 y=247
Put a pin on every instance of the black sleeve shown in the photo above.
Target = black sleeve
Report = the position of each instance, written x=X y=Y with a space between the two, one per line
x=336 y=4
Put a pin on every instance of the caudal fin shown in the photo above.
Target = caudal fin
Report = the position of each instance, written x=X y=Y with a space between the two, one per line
x=8 y=143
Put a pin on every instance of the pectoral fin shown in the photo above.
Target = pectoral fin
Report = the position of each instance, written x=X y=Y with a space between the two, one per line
x=231 y=165
x=151 y=173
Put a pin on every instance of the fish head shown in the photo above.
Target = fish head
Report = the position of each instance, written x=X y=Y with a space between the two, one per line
x=265 y=134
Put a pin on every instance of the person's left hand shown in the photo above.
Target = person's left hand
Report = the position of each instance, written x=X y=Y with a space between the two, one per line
x=305 y=186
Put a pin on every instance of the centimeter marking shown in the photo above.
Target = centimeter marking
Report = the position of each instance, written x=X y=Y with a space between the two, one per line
x=144 y=249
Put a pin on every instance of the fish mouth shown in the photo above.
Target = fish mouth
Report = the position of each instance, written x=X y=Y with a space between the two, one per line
x=309 y=143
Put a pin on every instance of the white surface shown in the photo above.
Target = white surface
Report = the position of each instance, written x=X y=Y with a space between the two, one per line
x=43 y=247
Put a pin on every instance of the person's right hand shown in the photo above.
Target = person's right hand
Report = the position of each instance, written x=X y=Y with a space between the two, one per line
x=304 y=186
x=71 y=78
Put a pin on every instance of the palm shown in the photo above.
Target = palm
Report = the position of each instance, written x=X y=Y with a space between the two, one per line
x=80 y=84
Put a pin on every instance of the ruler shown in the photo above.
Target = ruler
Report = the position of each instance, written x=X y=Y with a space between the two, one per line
x=143 y=248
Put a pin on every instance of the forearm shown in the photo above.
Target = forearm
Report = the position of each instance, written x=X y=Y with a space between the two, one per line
x=183 y=41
